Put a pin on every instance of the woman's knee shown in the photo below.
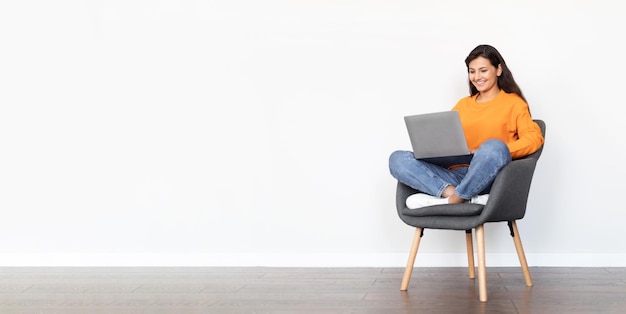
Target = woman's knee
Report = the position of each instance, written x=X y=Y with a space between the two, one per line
x=397 y=160
x=398 y=156
x=495 y=148
x=495 y=145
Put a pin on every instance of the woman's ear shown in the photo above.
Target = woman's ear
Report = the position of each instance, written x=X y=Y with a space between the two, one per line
x=499 y=71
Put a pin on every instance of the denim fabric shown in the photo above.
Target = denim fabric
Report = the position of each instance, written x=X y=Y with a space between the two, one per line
x=470 y=181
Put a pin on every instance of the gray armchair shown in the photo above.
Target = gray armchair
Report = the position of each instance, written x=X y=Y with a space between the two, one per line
x=507 y=202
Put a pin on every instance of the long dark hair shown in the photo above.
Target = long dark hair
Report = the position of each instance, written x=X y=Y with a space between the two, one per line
x=505 y=80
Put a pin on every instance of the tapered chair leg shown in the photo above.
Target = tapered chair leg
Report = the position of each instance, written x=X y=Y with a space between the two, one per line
x=409 y=265
x=470 y=253
x=482 y=268
x=520 y=253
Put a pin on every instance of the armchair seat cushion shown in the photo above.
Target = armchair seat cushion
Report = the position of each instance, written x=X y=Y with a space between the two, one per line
x=462 y=209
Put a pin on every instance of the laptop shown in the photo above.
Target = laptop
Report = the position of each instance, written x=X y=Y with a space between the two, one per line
x=438 y=138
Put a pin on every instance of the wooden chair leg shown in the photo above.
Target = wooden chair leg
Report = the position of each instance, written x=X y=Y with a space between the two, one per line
x=520 y=254
x=409 y=265
x=470 y=253
x=482 y=268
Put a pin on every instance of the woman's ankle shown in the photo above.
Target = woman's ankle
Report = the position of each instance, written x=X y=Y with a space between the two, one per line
x=455 y=199
x=449 y=191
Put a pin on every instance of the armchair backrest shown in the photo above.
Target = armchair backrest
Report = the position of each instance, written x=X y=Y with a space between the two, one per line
x=509 y=192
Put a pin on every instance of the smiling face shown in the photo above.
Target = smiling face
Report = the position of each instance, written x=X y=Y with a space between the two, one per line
x=484 y=75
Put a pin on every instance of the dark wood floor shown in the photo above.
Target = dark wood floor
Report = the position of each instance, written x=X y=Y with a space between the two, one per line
x=307 y=290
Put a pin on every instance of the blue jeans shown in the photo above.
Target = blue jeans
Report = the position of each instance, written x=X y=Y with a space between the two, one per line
x=470 y=181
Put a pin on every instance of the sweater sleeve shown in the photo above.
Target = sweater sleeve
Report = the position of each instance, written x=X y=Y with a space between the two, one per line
x=529 y=137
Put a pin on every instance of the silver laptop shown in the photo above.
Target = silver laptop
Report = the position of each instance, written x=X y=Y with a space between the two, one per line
x=437 y=135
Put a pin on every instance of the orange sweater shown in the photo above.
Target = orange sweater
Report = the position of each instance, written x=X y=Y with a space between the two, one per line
x=506 y=117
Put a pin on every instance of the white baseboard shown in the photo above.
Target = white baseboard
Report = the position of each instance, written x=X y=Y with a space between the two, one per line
x=305 y=260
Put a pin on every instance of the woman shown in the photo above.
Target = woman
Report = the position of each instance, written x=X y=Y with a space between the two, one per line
x=498 y=128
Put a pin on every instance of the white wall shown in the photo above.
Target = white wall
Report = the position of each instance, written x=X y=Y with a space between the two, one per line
x=257 y=132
